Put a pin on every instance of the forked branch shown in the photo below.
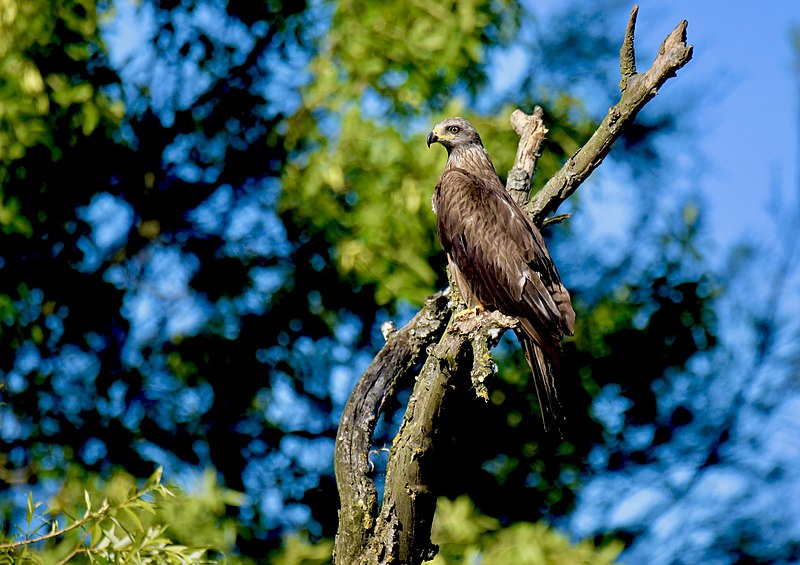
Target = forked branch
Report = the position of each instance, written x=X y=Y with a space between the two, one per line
x=637 y=90
x=399 y=531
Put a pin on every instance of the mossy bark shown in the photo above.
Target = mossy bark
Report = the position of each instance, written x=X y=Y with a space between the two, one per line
x=453 y=350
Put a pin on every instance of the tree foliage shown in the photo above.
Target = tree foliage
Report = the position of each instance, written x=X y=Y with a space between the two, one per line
x=209 y=208
x=121 y=522
x=465 y=535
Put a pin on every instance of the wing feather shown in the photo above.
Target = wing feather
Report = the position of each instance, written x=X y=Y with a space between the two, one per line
x=500 y=253
x=498 y=259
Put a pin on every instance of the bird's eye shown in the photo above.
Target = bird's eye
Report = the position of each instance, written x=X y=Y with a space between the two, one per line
x=454 y=129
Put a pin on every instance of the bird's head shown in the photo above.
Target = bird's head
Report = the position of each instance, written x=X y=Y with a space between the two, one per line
x=454 y=132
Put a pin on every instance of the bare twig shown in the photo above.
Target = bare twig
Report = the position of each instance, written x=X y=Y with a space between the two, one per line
x=553 y=220
x=637 y=90
x=483 y=337
x=531 y=131
x=627 y=54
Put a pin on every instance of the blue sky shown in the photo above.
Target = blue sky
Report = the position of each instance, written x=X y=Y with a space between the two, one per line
x=737 y=111
x=735 y=107
x=744 y=113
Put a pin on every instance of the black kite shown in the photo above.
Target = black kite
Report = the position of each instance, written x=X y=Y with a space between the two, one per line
x=497 y=256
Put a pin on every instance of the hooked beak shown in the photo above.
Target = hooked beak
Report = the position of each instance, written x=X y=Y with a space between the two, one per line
x=432 y=138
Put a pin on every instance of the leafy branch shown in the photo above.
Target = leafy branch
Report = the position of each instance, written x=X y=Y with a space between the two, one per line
x=104 y=534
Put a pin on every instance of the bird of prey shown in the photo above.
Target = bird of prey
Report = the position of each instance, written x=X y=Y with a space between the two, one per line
x=497 y=256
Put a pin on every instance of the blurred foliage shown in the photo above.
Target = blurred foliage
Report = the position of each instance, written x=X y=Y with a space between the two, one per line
x=297 y=549
x=119 y=522
x=410 y=55
x=376 y=212
x=48 y=96
x=123 y=520
x=364 y=183
x=466 y=536
x=208 y=208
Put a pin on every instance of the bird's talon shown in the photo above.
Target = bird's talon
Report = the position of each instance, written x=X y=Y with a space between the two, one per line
x=467 y=312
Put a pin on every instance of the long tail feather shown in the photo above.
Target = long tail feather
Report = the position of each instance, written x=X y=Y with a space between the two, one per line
x=544 y=380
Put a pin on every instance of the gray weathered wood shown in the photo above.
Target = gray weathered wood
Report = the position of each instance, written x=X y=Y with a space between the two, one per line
x=398 y=532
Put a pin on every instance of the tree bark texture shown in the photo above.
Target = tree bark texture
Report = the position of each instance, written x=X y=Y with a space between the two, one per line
x=455 y=350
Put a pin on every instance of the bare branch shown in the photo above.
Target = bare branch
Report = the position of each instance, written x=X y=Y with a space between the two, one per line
x=638 y=90
x=410 y=494
x=627 y=54
x=532 y=132
x=404 y=349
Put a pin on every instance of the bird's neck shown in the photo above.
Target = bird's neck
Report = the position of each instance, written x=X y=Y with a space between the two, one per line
x=470 y=157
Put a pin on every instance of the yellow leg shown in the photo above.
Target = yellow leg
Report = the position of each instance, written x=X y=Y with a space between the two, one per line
x=467 y=312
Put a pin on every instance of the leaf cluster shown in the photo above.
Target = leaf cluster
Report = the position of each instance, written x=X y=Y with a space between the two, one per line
x=125 y=527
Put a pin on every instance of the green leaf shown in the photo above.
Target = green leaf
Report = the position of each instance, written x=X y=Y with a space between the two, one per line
x=133 y=517
x=154 y=480
x=87 y=499
x=30 y=509
x=91 y=117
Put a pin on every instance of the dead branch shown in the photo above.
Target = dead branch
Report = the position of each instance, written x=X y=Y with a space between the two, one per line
x=637 y=90
x=532 y=132
x=399 y=533
x=389 y=371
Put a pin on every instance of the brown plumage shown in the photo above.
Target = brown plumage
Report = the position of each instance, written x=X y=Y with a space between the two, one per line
x=497 y=256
